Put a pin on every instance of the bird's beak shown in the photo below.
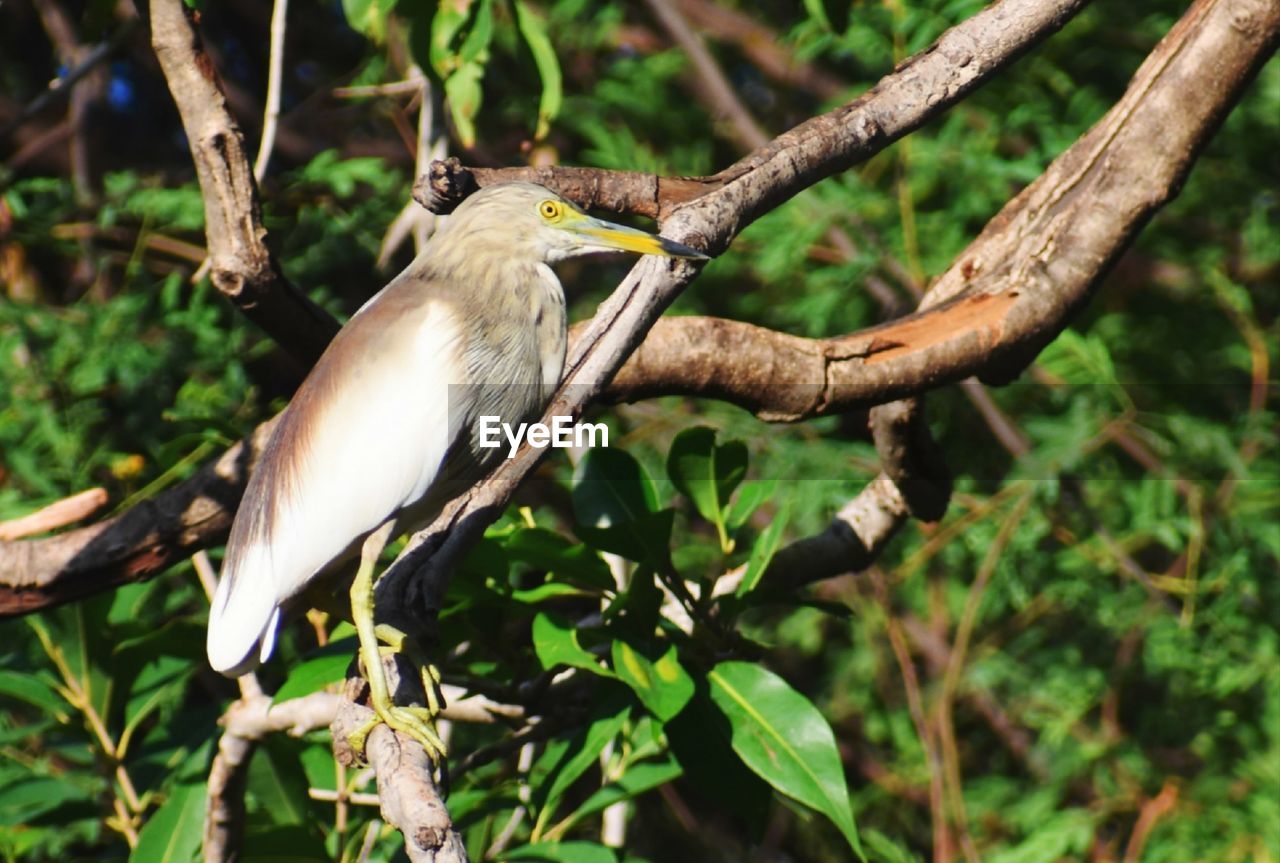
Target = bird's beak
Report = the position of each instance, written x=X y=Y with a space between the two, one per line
x=606 y=235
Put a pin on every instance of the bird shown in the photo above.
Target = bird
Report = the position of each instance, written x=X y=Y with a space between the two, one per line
x=383 y=430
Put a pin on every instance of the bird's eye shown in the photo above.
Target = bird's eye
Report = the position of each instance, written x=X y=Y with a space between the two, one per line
x=551 y=210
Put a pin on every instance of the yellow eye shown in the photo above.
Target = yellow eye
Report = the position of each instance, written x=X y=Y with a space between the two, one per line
x=551 y=210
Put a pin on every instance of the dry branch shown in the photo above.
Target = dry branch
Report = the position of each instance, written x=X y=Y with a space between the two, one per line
x=241 y=268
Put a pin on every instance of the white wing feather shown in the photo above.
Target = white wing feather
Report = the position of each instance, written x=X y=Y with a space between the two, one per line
x=377 y=448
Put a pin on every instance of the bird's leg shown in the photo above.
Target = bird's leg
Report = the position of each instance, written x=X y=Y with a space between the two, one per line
x=417 y=722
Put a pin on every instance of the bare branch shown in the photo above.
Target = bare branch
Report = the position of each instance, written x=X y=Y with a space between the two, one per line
x=271 y=113
x=58 y=514
x=241 y=266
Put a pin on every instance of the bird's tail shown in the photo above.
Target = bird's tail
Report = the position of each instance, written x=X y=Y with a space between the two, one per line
x=242 y=619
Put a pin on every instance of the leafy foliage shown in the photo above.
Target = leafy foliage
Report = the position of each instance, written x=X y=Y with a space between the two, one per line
x=1087 y=639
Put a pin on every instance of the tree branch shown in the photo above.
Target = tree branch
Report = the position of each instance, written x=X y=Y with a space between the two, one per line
x=242 y=267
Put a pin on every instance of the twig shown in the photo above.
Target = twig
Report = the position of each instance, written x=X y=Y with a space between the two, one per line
x=915 y=708
x=58 y=514
x=955 y=666
x=430 y=145
x=1152 y=811
x=408 y=87
x=764 y=46
x=271 y=112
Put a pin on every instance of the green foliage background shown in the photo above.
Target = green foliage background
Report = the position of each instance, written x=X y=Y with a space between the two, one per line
x=1089 y=635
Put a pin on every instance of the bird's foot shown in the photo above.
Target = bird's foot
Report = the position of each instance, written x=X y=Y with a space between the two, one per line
x=417 y=722
x=375 y=641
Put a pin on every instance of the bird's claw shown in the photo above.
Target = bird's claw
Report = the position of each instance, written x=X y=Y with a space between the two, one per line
x=417 y=722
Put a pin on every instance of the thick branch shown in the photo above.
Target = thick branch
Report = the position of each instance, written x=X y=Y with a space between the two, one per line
x=242 y=268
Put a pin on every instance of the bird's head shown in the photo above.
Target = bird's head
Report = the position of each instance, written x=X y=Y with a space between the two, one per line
x=526 y=219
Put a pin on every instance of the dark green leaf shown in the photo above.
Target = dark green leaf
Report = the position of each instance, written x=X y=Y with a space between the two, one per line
x=322 y=667
x=173 y=833
x=780 y=735
x=562 y=852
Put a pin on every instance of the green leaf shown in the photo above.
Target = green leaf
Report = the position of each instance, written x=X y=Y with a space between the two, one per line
x=322 y=667
x=368 y=16
x=818 y=12
x=278 y=781
x=707 y=473
x=534 y=30
x=582 y=752
x=751 y=494
x=638 y=779
x=780 y=735
x=553 y=552
x=25 y=800
x=663 y=686
x=699 y=740
x=475 y=47
x=765 y=547
x=291 y=843
x=462 y=89
x=610 y=488
x=447 y=23
x=173 y=833
x=34 y=689
x=556 y=643
x=646 y=540
x=549 y=590
x=160 y=685
x=616 y=507
x=562 y=852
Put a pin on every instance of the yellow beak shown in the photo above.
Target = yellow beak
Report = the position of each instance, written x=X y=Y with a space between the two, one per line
x=606 y=235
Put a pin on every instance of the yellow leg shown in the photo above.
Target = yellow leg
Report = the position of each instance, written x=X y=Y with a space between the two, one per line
x=417 y=722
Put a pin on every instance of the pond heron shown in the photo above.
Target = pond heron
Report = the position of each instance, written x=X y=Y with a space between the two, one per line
x=383 y=430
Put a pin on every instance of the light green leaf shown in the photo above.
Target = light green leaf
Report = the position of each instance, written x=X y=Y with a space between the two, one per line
x=368 y=16
x=534 y=30
x=463 y=92
x=782 y=737
x=556 y=643
x=818 y=12
x=751 y=494
x=765 y=547
x=663 y=686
